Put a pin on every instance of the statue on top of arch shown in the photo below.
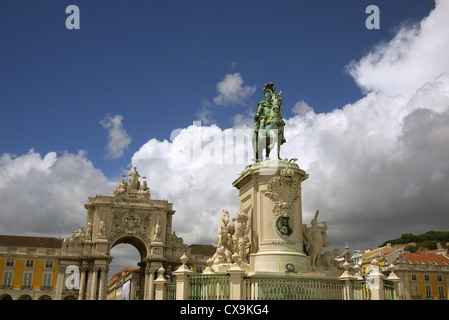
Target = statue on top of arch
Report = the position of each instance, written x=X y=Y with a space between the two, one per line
x=132 y=185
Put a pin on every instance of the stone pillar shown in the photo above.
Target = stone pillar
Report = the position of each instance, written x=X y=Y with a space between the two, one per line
x=182 y=280
x=235 y=280
x=103 y=284
x=395 y=279
x=271 y=192
x=348 y=291
x=60 y=282
x=82 y=290
x=93 y=283
x=149 y=280
x=375 y=281
x=160 y=290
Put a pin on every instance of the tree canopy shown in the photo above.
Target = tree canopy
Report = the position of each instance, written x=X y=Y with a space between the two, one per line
x=425 y=240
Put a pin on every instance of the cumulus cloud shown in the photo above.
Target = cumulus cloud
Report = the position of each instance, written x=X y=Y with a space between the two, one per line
x=205 y=113
x=232 y=92
x=118 y=139
x=195 y=171
x=45 y=195
x=415 y=55
x=377 y=167
x=301 y=108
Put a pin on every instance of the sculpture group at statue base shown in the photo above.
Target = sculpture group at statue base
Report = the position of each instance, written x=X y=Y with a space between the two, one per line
x=267 y=236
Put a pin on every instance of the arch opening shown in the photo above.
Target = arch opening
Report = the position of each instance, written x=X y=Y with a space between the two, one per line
x=129 y=252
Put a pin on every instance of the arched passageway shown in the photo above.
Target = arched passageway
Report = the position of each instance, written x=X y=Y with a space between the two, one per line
x=128 y=256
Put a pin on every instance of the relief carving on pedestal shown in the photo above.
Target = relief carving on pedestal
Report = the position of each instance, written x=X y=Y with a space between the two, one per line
x=283 y=190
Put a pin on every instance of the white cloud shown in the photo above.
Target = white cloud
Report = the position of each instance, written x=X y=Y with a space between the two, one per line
x=416 y=55
x=301 y=108
x=378 y=167
x=205 y=114
x=118 y=139
x=231 y=90
x=195 y=173
x=45 y=195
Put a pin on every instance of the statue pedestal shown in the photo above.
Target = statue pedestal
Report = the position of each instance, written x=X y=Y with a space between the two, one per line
x=157 y=249
x=101 y=246
x=271 y=193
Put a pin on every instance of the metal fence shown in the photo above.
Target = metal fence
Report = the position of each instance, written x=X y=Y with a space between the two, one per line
x=217 y=287
x=388 y=290
x=209 y=287
x=171 y=291
x=360 y=290
x=262 y=288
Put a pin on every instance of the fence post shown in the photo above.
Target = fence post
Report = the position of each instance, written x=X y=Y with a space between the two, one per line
x=161 y=292
x=235 y=280
x=375 y=281
x=395 y=279
x=182 y=280
x=348 y=292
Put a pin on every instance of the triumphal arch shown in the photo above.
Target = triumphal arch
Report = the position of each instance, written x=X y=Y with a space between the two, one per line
x=129 y=216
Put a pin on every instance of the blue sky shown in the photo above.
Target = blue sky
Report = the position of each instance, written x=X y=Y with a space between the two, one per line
x=366 y=111
x=156 y=63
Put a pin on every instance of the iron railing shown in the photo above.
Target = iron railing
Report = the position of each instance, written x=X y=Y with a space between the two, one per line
x=262 y=288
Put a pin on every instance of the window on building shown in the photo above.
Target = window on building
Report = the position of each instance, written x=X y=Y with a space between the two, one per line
x=426 y=277
x=9 y=263
x=46 y=283
x=414 y=277
x=199 y=269
x=48 y=264
x=439 y=278
x=27 y=280
x=29 y=264
x=441 y=292
x=428 y=292
x=7 y=280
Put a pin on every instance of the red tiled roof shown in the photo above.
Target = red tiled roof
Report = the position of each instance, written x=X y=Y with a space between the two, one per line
x=124 y=272
x=427 y=259
x=24 y=241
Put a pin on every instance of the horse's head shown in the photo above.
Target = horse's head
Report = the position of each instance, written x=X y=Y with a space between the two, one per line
x=276 y=99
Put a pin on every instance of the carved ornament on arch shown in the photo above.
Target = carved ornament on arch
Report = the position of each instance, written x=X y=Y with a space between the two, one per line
x=130 y=222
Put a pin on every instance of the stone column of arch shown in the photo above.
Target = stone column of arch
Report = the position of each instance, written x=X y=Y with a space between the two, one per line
x=60 y=282
x=102 y=289
x=83 y=278
x=92 y=283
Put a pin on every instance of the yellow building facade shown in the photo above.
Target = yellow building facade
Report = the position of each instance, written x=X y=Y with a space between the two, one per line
x=424 y=276
x=28 y=267
x=424 y=285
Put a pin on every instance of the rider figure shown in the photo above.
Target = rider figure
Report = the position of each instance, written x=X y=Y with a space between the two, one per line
x=264 y=107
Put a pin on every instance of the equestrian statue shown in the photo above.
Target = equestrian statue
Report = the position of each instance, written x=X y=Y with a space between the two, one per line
x=269 y=126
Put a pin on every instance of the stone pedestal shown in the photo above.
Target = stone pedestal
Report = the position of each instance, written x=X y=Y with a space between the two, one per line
x=270 y=192
x=101 y=246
